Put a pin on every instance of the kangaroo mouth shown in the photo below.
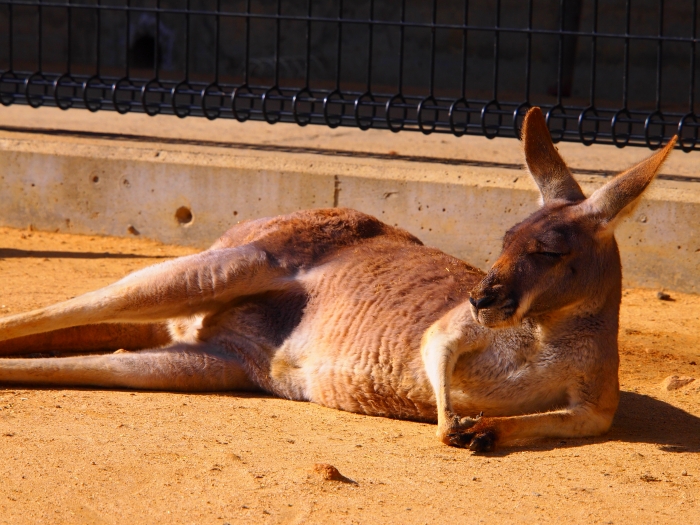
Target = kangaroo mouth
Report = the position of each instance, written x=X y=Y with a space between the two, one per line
x=501 y=315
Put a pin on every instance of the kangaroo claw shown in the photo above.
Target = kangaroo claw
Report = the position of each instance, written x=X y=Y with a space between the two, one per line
x=476 y=442
x=460 y=439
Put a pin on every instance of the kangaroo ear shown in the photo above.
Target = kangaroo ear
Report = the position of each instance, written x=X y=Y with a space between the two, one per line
x=546 y=166
x=619 y=197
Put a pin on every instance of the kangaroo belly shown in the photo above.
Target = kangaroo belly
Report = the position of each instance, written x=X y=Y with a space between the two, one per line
x=364 y=382
x=357 y=347
x=349 y=335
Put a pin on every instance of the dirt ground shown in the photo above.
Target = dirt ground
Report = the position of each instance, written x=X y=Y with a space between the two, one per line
x=90 y=456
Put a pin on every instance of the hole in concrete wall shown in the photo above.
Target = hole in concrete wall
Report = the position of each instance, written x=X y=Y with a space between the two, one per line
x=184 y=215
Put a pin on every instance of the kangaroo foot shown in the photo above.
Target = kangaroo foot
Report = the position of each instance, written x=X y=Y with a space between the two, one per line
x=455 y=425
x=476 y=441
x=478 y=437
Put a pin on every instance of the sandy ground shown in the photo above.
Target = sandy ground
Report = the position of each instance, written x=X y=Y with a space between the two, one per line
x=86 y=456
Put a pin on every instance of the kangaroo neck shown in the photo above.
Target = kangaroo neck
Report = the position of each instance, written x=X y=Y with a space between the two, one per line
x=592 y=317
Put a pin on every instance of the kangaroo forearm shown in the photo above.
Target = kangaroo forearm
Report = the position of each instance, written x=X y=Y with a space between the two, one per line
x=566 y=423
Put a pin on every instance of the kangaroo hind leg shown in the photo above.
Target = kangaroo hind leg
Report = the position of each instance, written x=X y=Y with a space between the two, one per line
x=180 y=367
x=91 y=338
x=182 y=287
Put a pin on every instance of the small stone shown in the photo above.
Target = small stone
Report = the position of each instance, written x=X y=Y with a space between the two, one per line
x=663 y=296
x=329 y=473
x=132 y=230
x=648 y=477
x=675 y=382
x=684 y=473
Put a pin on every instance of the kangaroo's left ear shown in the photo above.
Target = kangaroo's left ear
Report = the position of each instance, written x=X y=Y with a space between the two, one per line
x=620 y=196
x=546 y=166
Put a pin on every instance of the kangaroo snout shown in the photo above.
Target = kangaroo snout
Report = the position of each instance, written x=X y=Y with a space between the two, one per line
x=491 y=304
x=482 y=302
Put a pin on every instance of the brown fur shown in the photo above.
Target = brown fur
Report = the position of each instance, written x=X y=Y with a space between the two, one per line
x=335 y=307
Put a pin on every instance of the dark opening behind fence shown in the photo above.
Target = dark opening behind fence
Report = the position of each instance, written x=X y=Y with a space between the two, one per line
x=619 y=71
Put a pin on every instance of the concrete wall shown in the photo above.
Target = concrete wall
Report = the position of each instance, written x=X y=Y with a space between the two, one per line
x=135 y=186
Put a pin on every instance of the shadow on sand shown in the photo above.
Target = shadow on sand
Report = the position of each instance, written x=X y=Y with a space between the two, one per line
x=644 y=419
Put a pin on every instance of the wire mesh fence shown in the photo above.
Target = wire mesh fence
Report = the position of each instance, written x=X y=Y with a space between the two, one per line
x=620 y=71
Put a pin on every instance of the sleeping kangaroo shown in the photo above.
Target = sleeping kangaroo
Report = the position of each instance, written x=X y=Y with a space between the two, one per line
x=335 y=307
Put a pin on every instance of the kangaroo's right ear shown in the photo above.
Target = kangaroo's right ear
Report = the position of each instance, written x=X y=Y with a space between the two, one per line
x=619 y=197
x=546 y=166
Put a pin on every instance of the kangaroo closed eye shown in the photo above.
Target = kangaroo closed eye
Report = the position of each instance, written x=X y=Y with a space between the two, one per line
x=552 y=255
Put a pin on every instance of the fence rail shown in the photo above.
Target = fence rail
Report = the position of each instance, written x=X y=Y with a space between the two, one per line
x=618 y=72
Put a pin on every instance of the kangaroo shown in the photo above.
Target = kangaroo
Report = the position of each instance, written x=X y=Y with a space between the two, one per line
x=333 y=306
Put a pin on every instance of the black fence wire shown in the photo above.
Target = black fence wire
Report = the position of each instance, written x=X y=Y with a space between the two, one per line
x=619 y=71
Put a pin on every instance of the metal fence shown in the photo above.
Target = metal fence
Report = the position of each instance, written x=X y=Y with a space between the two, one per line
x=619 y=71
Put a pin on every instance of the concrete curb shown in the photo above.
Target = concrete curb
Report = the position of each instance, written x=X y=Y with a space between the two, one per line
x=188 y=191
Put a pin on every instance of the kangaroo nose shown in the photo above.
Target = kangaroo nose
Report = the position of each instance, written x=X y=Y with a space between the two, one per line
x=483 y=302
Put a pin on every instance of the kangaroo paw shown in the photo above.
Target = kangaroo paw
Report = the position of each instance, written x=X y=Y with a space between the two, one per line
x=454 y=426
x=475 y=441
x=484 y=442
x=460 y=439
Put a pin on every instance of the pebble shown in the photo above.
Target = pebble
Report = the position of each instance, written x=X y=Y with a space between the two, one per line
x=663 y=296
x=675 y=382
x=329 y=473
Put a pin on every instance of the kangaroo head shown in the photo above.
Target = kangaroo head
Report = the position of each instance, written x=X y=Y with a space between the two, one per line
x=564 y=255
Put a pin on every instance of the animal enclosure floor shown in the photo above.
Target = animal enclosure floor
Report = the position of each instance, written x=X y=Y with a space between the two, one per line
x=89 y=456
